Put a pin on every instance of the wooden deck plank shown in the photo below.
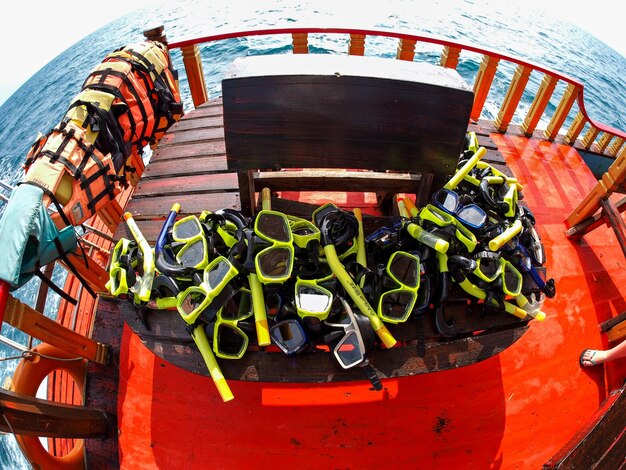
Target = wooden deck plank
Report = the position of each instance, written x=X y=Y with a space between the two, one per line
x=185 y=167
x=210 y=108
x=158 y=207
x=196 y=135
x=207 y=122
x=189 y=150
x=193 y=184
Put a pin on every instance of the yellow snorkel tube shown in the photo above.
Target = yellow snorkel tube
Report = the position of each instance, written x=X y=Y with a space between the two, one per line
x=143 y=289
x=202 y=342
x=465 y=169
x=322 y=220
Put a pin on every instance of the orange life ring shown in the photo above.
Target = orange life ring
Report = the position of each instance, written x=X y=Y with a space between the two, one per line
x=27 y=378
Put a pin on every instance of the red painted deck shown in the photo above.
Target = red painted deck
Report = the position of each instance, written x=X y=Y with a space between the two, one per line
x=514 y=410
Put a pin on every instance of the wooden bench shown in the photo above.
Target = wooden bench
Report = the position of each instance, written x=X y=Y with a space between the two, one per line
x=406 y=121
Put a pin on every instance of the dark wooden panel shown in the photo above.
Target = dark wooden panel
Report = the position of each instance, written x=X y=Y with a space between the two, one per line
x=185 y=166
x=187 y=185
x=601 y=440
x=101 y=386
x=168 y=339
x=400 y=117
x=312 y=180
x=158 y=207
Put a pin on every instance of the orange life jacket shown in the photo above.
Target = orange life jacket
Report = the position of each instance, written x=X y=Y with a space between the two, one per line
x=152 y=59
x=132 y=105
x=63 y=154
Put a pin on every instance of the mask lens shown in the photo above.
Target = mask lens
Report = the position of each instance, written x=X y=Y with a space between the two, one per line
x=313 y=300
x=489 y=268
x=289 y=336
x=238 y=307
x=230 y=341
x=512 y=279
x=192 y=301
x=348 y=351
x=405 y=269
x=448 y=200
x=217 y=274
x=274 y=262
x=397 y=305
x=192 y=255
x=186 y=228
x=274 y=227
x=472 y=215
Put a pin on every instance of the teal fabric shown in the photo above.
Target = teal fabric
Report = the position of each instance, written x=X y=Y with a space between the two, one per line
x=27 y=236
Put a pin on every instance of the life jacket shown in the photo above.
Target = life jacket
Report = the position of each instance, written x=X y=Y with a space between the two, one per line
x=80 y=177
x=94 y=111
x=152 y=59
x=131 y=103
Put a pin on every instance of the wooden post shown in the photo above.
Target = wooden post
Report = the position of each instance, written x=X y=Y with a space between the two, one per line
x=604 y=142
x=512 y=98
x=156 y=34
x=195 y=74
x=34 y=323
x=31 y=416
x=406 y=49
x=615 y=221
x=575 y=129
x=590 y=137
x=357 y=44
x=450 y=57
x=482 y=84
x=615 y=147
x=613 y=177
x=538 y=106
x=300 y=43
x=565 y=105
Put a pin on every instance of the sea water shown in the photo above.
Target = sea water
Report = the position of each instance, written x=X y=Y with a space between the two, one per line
x=43 y=100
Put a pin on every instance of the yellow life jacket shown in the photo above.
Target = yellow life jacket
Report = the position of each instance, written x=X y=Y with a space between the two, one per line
x=94 y=111
x=65 y=154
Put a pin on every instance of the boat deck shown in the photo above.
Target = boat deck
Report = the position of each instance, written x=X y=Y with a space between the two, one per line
x=171 y=417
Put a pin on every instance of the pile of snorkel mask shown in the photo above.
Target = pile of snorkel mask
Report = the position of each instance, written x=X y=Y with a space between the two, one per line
x=283 y=282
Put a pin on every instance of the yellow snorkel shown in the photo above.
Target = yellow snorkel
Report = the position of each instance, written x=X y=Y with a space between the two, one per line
x=143 y=287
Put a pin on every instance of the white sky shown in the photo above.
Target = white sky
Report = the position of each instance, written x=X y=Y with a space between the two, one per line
x=35 y=31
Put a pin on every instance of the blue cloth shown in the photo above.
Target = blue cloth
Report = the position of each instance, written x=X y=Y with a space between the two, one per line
x=27 y=235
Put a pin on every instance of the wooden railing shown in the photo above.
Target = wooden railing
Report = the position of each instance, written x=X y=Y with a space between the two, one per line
x=607 y=140
x=599 y=138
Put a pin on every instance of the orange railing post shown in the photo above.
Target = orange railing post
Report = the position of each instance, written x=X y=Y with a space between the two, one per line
x=613 y=177
x=575 y=128
x=512 y=98
x=406 y=49
x=34 y=323
x=570 y=95
x=450 y=57
x=590 y=137
x=538 y=106
x=300 y=43
x=615 y=147
x=195 y=74
x=482 y=84
x=357 y=44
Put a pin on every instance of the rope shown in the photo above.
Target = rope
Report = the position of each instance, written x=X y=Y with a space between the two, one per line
x=28 y=354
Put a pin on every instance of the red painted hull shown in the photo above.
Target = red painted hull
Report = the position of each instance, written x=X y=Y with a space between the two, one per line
x=514 y=410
